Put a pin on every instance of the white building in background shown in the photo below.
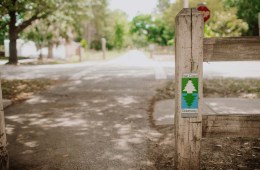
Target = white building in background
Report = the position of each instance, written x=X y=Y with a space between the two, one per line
x=25 y=49
x=6 y=47
x=28 y=49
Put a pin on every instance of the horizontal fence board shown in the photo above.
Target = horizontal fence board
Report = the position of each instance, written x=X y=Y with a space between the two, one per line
x=231 y=49
x=233 y=125
x=236 y=117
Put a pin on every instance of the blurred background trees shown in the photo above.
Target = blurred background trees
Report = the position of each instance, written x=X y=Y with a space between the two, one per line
x=50 y=22
x=153 y=28
x=247 y=11
x=224 y=20
x=16 y=16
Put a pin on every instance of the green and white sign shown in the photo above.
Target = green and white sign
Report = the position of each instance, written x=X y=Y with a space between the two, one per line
x=189 y=95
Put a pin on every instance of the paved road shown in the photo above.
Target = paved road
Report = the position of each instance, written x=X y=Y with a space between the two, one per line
x=96 y=120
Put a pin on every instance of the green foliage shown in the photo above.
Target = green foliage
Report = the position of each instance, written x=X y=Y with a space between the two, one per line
x=3 y=33
x=170 y=42
x=84 y=43
x=20 y=14
x=37 y=34
x=63 y=23
x=96 y=44
x=115 y=29
x=225 y=24
x=222 y=22
x=248 y=11
x=119 y=36
x=155 y=30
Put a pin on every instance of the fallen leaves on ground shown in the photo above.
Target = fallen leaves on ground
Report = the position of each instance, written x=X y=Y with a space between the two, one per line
x=18 y=90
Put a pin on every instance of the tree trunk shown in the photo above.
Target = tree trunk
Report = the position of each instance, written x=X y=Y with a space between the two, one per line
x=4 y=159
x=50 y=50
x=13 y=35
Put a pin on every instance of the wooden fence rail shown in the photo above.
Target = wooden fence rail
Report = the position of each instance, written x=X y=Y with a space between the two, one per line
x=232 y=125
x=231 y=49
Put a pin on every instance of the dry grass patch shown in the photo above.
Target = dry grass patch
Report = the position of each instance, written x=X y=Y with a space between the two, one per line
x=19 y=90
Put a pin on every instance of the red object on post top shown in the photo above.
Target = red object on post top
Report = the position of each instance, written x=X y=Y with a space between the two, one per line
x=205 y=11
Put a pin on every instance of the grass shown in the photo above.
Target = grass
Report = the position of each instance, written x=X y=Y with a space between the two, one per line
x=19 y=90
x=221 y=87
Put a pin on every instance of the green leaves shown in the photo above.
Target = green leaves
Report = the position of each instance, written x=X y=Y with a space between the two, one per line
x=154 y=29
x=247 y=10
x=225 y=24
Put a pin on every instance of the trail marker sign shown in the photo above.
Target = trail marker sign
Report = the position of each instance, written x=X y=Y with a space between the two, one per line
x=205 y=11
x=189 y=95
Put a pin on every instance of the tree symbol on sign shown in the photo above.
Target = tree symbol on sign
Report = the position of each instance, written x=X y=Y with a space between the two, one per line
x=189 y=88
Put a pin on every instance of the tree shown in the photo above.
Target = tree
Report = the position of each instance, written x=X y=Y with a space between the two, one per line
x=119 y=36
x=189 y=88
x=248 y=11
x=3 y=33
x=99 y=12
x=19 y=14
x=39 y=35
x=225 y=24
x=109 y=24
x=60 y=24
x=153 y=28
x=222 y=22
x=119 y=32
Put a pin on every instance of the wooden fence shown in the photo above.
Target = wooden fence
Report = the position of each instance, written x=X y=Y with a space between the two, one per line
x=190 y=123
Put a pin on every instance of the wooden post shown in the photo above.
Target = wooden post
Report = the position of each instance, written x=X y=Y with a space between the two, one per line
x=188 y=60
x=4 y=159
x=103 y=41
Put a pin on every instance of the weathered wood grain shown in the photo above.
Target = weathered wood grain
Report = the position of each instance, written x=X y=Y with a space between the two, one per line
x=235 y=125
x=189 y=59
x=231 y=49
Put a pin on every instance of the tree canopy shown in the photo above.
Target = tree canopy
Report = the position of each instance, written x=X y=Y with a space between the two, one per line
x=153 y=28
x=223 y=21
x=19 y=14
x=247 y=11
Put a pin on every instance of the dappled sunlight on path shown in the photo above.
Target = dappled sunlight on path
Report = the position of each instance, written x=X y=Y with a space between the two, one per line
x=86 y=123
